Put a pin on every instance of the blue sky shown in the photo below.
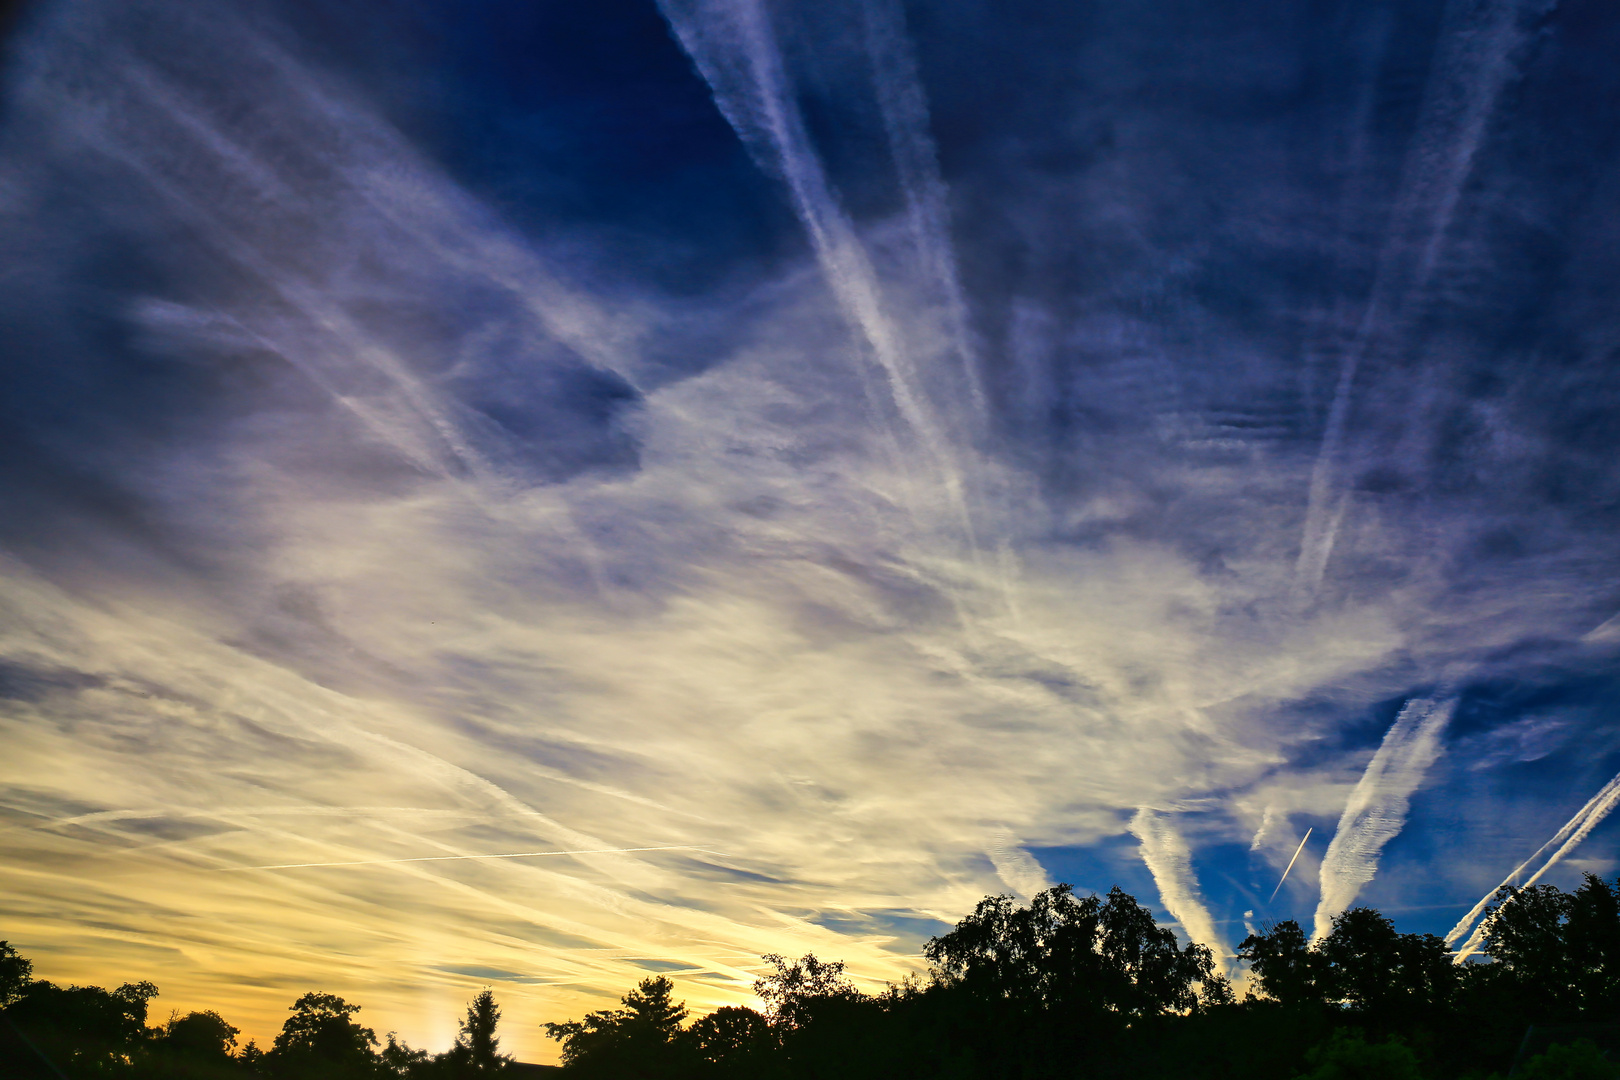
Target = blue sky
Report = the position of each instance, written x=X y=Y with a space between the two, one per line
x=783 y=471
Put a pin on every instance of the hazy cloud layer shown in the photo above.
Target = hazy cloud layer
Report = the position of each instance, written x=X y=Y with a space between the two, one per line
x=567 y=495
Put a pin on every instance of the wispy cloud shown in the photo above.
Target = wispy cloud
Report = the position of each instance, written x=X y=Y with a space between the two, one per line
x=1016 y=867
x=367 y=535
x=1169 y=859
x=499 y=855
x=1379 y=804
x=1474 y=60
x=733 y=45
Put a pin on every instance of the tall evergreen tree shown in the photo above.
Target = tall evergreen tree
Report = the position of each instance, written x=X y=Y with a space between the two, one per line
x=478 y=1040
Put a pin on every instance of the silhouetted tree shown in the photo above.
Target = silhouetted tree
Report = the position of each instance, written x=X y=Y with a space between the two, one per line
x=203 y=1035
x=1106 y=955
x=197 y=1046
x=321 y=1039
x=1363 y=965
x=1524 y=933
x=794 y=991
x=477 y=1050
x=1592 y=945
x=16 y=972
x=478 y=1033
x=83 y=1030
x=824 y=1026
x=1060 y=978
x=733 y=1042
x=1216 y=992
x=1382 y=974
x=251 y=1058
x=1282 y=964
x=644 y=1039
x=1061 y=988
x=398 y=1059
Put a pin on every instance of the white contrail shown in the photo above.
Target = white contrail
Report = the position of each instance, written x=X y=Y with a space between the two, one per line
x=1377 y=807
x=1290 y=866
x=1473 y=63
x=415 y=429
x=1574 y=831
x=453 y=858
x=905 y=121
x=731 y=43
x=1169 y=860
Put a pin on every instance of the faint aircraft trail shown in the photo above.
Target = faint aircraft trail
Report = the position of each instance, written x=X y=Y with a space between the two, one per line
x=1289 y=867
x=454 y=858
x=1473 y=63
x=904 y=107
x=1574 y=831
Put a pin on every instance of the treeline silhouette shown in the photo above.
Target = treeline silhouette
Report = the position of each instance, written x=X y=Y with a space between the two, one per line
x=1066 y=987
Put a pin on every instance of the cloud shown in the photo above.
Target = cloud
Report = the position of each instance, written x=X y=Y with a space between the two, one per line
x=1473 y=63
x=1168 y=857
x=1017 y=869
x=1379 y=804
x=376 y=513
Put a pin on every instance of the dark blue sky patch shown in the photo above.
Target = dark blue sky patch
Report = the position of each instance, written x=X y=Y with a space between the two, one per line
x=1114 y=860
x=662 y=966
x=590 y=126
x=20 y=682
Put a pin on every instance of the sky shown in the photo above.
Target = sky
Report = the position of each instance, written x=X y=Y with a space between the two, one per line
x=538 y=495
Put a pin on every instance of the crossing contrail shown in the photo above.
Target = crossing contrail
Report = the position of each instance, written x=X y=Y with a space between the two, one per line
x=452 y=858
x=1290 y=866
x=1574 y=831
x=1473 y=65
x=733 y=46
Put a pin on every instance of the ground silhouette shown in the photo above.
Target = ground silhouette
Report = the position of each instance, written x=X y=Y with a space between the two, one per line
x=1064 y=987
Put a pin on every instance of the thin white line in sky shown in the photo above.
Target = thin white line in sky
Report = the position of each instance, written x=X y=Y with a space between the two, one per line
x=452 y=858
x=1290 y=865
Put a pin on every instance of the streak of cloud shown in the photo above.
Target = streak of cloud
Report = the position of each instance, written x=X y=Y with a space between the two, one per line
x=1169 y=859
x=904 y=107
x=453 y=858
x=1473 y=62
x=733 y=45
x=1377 y=808
x=1018 y=870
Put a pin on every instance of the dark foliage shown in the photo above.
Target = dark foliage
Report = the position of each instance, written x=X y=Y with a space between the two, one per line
x=1092 y=987
x=643 y=1038
x=82 y=1030
x=16 y=972
x=1066 y=987
x=321 y=1039
x=85 y=1032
